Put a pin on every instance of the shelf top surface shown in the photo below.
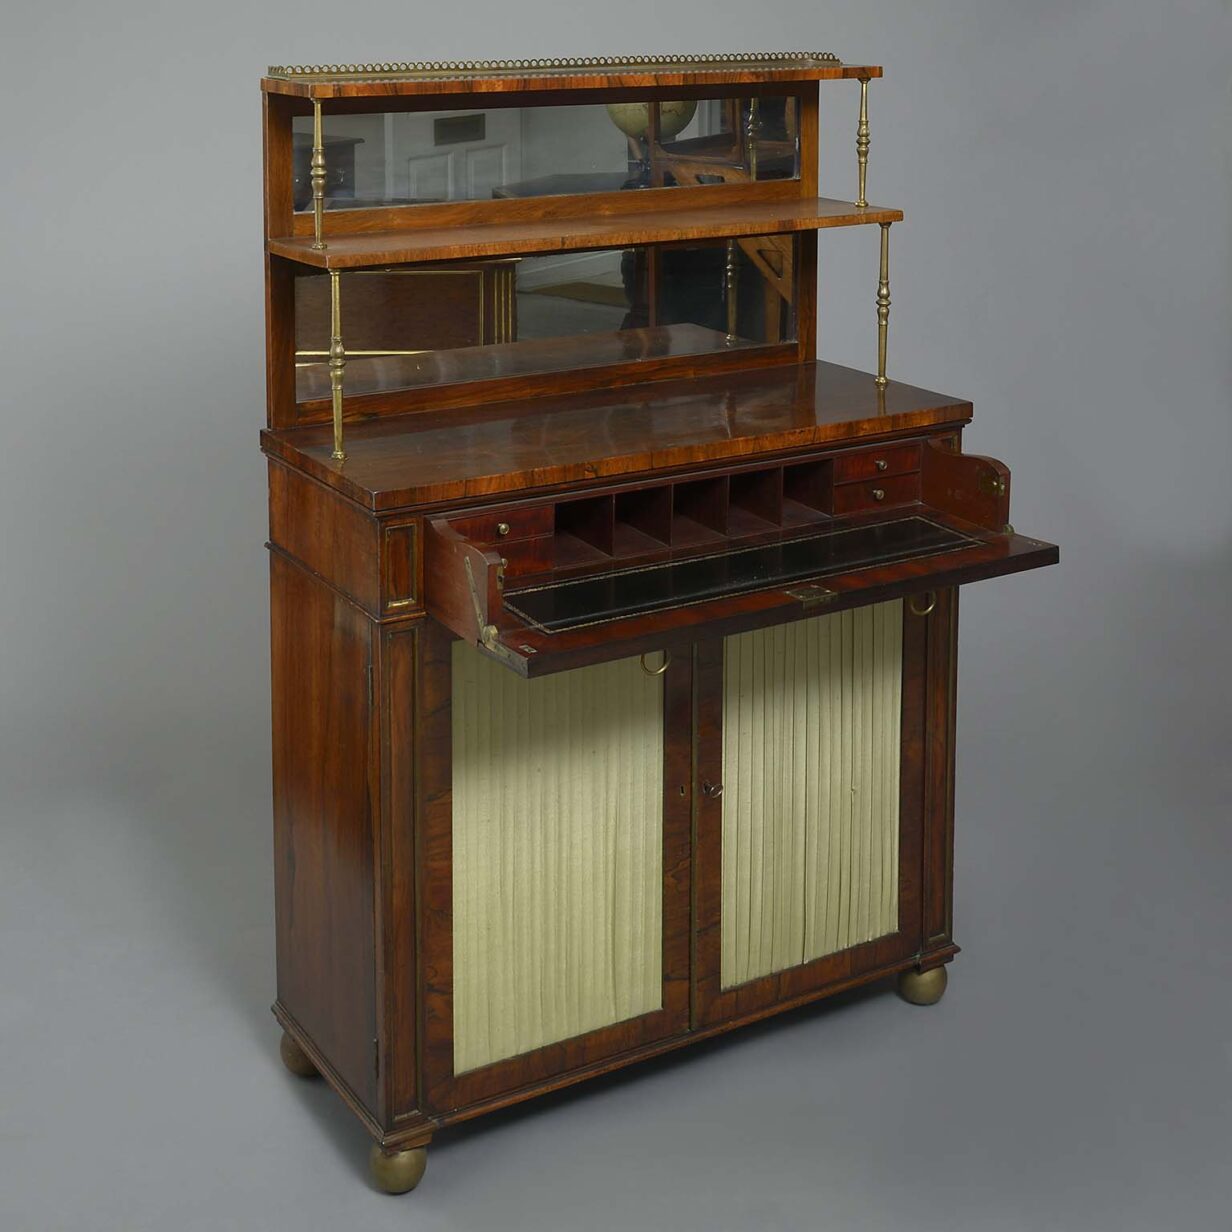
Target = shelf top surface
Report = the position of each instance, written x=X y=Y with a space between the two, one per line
x=490 y=239
x=325 y=81
x=513 y=448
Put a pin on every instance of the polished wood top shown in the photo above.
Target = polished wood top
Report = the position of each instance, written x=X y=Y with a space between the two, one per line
x=493 y=239
x=590 y=73
x=519 y=446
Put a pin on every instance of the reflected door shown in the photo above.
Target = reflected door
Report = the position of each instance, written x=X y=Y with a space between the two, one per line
x=452 y=156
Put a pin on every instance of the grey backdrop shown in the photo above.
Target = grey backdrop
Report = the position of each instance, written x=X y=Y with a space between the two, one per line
x=1065 y=263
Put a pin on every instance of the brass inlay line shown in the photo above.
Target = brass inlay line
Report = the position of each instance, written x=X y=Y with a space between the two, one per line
x=317 y=175
x=883 y=304
x=709 y=61
x=862 y=143
x=337 y=361
x=311 y=355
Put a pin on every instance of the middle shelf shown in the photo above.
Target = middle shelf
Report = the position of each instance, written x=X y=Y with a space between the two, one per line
x=575 y=234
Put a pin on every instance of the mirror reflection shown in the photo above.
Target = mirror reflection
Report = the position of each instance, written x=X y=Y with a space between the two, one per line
x=421 y=157
x=412 y=326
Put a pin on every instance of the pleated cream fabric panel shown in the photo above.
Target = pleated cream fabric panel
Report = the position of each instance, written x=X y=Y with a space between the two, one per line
x=557 y=853
x=811 y=726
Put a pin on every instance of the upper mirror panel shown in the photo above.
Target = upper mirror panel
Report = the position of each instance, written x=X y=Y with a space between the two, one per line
x=425 y=157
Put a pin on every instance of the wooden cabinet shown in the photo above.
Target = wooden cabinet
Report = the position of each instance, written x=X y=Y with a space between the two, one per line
x=614 y=633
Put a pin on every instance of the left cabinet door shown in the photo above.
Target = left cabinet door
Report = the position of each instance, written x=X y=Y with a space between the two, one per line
x=554 y=867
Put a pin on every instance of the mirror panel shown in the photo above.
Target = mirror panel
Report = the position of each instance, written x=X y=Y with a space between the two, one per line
x=411 y=326
x=422 y=157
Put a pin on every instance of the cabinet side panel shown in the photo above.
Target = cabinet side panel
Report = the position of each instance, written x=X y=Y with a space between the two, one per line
x=811 y=767
x=326 y=533
x=557 y=854
x=323 y=842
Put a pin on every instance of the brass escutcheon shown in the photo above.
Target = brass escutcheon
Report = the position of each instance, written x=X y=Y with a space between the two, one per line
x=913 y=604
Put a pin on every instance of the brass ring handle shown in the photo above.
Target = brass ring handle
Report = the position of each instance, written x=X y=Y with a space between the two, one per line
x=658 y=671
x=916 y=610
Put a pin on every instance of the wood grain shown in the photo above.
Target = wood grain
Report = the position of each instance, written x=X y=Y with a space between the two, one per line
x=323 y=821
x=664 y=226
x=544 y=442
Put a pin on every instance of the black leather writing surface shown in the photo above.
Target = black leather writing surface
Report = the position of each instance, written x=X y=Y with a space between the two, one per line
x=632 y=592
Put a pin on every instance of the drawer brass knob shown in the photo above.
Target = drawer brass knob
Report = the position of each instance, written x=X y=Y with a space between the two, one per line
x=502 y=529
x=879 y=464
x=878 y=494
x=713 y=790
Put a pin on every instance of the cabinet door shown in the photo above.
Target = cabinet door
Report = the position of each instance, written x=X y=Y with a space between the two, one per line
x=554 y=867
x=811 y=804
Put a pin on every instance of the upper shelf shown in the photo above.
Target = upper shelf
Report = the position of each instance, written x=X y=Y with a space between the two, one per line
x=569 y=234
x=325 y=81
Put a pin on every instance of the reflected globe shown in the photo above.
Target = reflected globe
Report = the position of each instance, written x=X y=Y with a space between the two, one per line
x=632 y=118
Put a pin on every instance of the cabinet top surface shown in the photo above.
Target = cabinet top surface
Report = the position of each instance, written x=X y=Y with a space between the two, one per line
x=582 y=73
x=516 y=447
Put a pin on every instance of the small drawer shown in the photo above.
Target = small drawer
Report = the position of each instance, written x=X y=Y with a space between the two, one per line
x=496 y=528
x=526 y=556
x=874 y=463
x=850 y=497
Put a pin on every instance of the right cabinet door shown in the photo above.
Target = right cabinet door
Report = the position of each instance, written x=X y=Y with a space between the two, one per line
x=823 y=762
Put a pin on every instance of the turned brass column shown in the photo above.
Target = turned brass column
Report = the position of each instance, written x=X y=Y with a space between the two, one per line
x=752 y=134
x=730 y=296
x=883 y=304
x=862 y=143
x=317 y=176
x=337 y=361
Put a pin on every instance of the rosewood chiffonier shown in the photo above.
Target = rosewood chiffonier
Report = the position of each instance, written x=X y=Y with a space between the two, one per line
x=613 y=632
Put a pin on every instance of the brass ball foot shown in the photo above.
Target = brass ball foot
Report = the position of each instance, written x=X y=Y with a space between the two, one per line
x=923 y=987
x=397 y=1172
x=296 y=1059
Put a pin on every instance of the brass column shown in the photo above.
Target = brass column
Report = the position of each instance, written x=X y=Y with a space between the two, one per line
x=337 y=361
x=883 y=304
x=862 y=142
x=730 y=280
x=317 y=176
x=752 y=134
